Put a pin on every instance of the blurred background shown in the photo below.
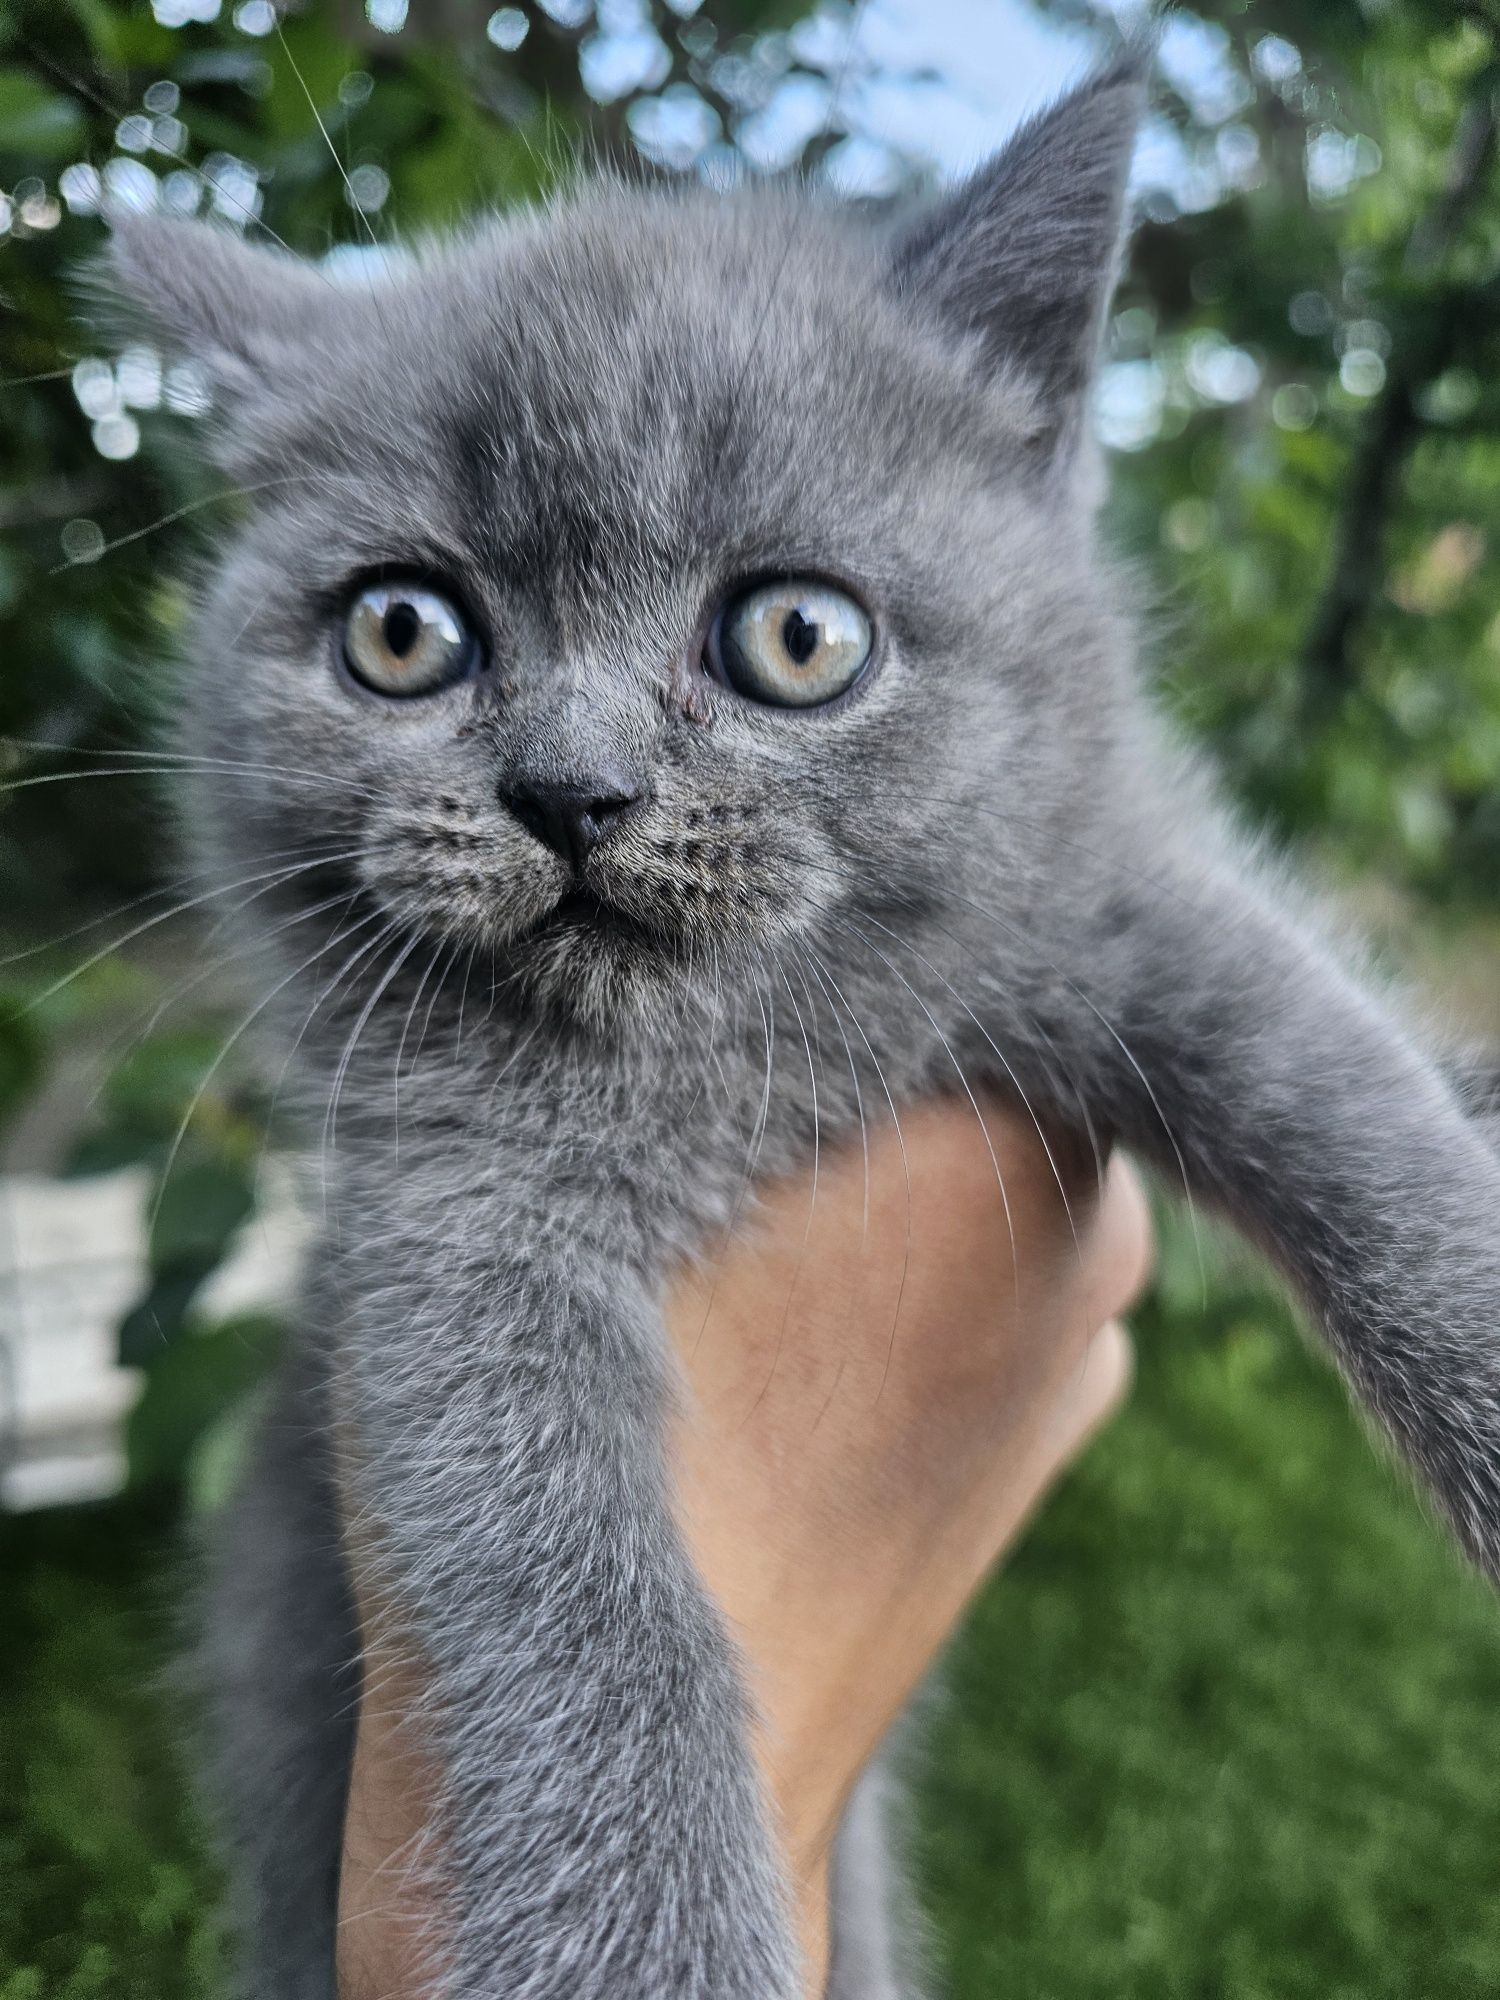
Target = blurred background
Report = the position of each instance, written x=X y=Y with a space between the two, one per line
x=1230 y=1723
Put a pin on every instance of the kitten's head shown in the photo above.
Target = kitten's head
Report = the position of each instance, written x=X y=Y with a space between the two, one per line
x=638 y=588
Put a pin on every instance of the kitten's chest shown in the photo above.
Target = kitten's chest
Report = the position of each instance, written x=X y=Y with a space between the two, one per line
x=639 y=1152
x=649 y=1152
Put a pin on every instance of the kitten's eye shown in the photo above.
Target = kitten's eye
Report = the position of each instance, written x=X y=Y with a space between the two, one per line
x=401 y=639
x=795 y=644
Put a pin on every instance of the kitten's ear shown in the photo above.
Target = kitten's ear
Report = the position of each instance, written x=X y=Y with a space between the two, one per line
x=242 y=310
x=1021 y=260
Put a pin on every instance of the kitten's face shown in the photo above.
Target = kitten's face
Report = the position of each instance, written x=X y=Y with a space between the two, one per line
x=641 y=592
x=565 y=458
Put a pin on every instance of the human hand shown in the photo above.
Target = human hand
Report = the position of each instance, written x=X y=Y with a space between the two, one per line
x=876 y=1398
x=877 y=1390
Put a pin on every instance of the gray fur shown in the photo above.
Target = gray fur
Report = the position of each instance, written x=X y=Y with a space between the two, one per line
x=984 y=867
x=875 y=1931
x=280 y=1655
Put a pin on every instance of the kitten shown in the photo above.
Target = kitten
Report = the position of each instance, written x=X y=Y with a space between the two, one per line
x=669 y=693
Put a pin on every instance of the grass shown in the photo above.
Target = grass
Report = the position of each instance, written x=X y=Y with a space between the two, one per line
x=104 y=1892
x=1228 y=1728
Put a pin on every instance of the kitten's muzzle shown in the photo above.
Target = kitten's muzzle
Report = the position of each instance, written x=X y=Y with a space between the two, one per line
x=571 y=818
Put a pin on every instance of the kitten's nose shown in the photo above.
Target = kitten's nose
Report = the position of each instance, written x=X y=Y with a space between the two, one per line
x=570 y=818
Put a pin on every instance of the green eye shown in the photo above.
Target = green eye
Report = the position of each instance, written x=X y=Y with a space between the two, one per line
x=402 y=639
x=794 y=644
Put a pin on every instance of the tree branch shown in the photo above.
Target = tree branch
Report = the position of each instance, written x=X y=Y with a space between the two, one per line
x=1395 y=422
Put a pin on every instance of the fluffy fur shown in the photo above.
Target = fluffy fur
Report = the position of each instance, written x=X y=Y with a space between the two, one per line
x=982 y=866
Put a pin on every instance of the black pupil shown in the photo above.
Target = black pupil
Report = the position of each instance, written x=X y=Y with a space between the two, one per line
x=800 y=637
x=400 y=628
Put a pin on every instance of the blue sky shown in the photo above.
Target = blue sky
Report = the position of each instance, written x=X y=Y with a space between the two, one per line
x=998 y=60
x=992 y=62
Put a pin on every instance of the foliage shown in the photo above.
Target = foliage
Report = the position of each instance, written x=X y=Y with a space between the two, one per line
x=105 y=1889
x=1331 y=522
x=1202 y=1734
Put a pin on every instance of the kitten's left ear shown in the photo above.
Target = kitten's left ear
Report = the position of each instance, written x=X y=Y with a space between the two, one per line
x=242 y=310
x=1022 y=259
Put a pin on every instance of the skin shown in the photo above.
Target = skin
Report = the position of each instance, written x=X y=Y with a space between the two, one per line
x=877 y=1390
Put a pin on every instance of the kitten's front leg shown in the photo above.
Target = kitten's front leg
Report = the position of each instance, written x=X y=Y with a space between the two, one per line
x=1229 y=1047
x=602 y=1825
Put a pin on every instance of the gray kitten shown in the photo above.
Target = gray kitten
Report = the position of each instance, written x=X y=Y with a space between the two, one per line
x=670 y=704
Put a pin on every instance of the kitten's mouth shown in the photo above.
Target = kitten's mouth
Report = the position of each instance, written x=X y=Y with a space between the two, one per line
x=582 y=910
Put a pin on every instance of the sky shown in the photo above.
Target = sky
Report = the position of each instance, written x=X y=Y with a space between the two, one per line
x=997 y=61
x=989 y=64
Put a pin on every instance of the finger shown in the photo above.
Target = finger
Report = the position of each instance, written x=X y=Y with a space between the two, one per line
x=974 y=1528
x=1089 y=1396
x=1122 y=1244
x=1093 y=1396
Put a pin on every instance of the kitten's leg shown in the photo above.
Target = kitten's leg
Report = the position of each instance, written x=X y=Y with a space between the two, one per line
x=277 y=1665
x=601 y=1820
x=873 y=1921
x=1240 y=1054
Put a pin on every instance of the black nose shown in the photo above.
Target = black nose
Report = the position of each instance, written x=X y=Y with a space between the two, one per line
x=571 y=819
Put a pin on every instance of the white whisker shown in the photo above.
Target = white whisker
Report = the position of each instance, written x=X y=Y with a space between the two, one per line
x=905 y=1162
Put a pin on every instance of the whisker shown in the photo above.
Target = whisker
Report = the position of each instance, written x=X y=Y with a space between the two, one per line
x=1000 y=1057
x=327 y=140
x=513 y=1058
x=958 y=1069
x=213 y=1069
x=757 y=1140
x=812 y=1078
x=100 y=103
x=463 y=1001
x=864 y=1141
x=55 y=943
x=859 y=1101
x=82 y=777
x=111 y=1058
x=180 y=513
x=439 y=986
x=1129 y=1055
x=715 y=1019
x=346 y=966
x=177 y=910
x=858 y=1027
x=1031 y=945
x=437 y=952
x=170 y=761
x=330 y=1121
x=1044 y=1043
x=45 y=375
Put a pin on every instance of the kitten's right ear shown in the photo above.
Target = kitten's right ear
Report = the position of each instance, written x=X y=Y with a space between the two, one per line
x=241 y=310
x=1020 y=260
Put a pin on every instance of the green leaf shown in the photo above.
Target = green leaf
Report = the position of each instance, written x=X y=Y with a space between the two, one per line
x=191 y=1386
x=36 y=123
x=216 y=1462
x=22 y=1055
x=202 y=1204
x=159 y=1317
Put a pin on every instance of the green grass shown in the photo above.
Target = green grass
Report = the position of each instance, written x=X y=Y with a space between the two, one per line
x=1228 y=1727
x=104 y=1894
